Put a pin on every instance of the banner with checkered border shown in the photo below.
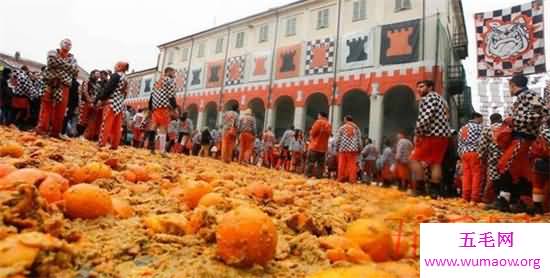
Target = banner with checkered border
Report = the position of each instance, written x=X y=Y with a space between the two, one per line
x=238 y=63
x=329 y=45
x=523 y=25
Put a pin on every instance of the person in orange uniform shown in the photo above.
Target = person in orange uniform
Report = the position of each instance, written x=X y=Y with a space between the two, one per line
x=348 y=145
x=162 y=102
x=528 y=113
x=540 y=152
x=112 y=99
x=247 y=129
x=230 y=120
x=318 y=146
x=268 y=140
x=431 y=138
x=60 y=69
x=469 y=140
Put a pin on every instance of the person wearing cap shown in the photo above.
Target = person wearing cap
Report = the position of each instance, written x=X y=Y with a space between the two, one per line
x=229 y=133
x=469 y=139
x=161 y=103
x=432 y=134
x=247 y=130
x=112 y=99
x=348 y=145
x=528 y=113
x=60 y=69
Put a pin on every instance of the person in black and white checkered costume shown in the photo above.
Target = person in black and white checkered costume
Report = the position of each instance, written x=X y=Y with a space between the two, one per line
x=329 y=45
x=161 y=103
x=469 y=138
x=58 y=75
x=112 y=98
x=528 y=113
x=21 y=83
x=22 y=87
x=431 y=138
x=490 y=153
x=349 y=144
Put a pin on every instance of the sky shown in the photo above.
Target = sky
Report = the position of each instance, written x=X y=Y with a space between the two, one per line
x=104 y=31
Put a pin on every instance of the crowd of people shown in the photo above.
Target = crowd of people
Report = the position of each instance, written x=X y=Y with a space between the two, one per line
x=504 y=164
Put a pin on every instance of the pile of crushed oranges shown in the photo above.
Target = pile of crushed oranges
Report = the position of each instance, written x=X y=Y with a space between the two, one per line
x=70 y=209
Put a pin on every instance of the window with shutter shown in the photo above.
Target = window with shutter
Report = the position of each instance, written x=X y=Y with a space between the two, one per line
x=359 y=10
x=264 y=33
x=200 y=53
x=170 y=57
x=184 y=54
x=355 y=10
x=291 y=27
x=322 y=19
x=401 y=5
x=219 y=45
x=240 y=40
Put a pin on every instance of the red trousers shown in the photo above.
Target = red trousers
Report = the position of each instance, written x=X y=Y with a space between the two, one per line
x=228 y=144
x=246 y=143
x=138 y=136
x=52 y=114
x=268 y=157
x=347 y=167
x=111 y=129
x=516 y=160
x=86 y=111
x=471 y=177
x=94 y=124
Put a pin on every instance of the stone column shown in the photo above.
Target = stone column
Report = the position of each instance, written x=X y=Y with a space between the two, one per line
x=201 y=120
x=376 y=118
x=336 y=117
x=270 y=118
x=299 y=118
x=219 y=118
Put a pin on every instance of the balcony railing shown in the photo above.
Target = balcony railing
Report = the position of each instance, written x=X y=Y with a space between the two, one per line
x=460 y=45
x=456 y=79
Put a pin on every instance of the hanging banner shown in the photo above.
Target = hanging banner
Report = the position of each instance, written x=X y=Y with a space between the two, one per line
x=356 y=50
x=319 y=56
x=181 y=79
x=400 y=42
x=214 y=71
x=234 y=71
x=511 y=40
x=288 y=61
x=195 y=79
x=260 y=66
x=134 y=87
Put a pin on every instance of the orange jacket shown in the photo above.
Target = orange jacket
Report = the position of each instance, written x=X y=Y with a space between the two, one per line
x=319 y=134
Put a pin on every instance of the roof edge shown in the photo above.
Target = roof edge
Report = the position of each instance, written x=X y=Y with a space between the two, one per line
x=269 y=11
